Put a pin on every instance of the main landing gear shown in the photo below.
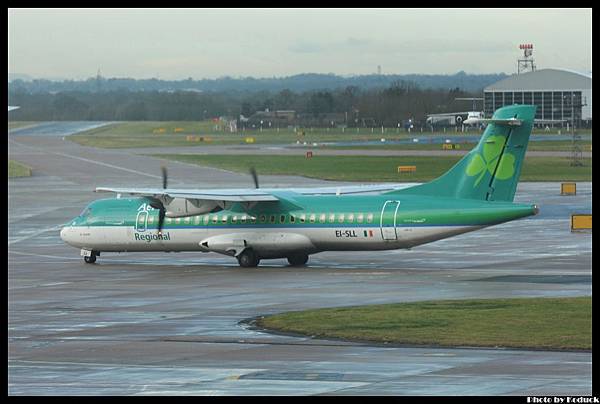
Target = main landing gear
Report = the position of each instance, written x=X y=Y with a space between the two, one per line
x=248 y=258
x=298 y=260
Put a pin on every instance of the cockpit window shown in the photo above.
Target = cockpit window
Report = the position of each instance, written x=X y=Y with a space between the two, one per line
x=86 y=212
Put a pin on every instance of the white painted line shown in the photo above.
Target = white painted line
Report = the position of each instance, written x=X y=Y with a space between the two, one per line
x=108 y=165
x=89 y=161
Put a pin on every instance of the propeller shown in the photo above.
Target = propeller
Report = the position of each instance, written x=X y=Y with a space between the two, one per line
x=157 y=204
x=254 y=176
x=163 y=169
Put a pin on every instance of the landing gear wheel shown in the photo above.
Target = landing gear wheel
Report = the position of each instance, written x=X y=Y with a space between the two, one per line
x=90 y=260
x=248 y=259
x=298 y=260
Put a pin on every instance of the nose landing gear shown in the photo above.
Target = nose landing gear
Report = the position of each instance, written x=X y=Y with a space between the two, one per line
x=89 y=256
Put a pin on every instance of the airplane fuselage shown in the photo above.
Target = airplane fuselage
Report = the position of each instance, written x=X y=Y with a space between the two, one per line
x=275 y=230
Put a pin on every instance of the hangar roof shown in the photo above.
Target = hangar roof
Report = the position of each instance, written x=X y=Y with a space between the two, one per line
x=545 y=79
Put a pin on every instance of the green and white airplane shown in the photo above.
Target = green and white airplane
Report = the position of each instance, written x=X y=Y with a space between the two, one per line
x=255 y=224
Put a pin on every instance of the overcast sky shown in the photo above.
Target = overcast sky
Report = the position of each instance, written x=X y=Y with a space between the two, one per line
x=210 y=43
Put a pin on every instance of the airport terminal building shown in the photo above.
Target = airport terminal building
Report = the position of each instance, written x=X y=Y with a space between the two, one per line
x=558 y=94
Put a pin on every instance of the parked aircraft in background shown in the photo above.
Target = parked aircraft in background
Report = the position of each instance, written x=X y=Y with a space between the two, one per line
x=255 y=224
x=457 y=118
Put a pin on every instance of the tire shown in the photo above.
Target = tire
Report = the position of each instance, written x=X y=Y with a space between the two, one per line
x=90 y=260
x=248 y=259
x=298 y=260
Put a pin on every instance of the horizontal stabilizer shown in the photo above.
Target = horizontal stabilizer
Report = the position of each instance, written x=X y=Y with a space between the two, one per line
x=507 y=122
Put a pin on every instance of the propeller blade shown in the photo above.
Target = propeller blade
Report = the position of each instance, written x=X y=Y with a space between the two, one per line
x=161 y=220
x=164 y=176
x=254 y=176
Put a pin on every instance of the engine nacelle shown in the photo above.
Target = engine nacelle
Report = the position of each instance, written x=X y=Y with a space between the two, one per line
x=180 y=207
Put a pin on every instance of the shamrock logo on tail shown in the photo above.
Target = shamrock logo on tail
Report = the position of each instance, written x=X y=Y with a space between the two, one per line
x=491 y=152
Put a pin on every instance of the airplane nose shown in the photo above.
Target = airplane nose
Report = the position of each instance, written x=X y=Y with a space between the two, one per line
x=65 y=234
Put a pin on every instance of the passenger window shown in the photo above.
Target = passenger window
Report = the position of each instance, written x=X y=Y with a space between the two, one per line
x=351 y=218
x=253 y=219
x=282 y=219
x=302 y=218
x=197 y=220
x=332 y=218
x=244 y=219
x=178 y=220
x=312 y=217
x=360 y=217
x=272 y=219
x=322 y=218
x=224 y=219
x=341 y=218
x=151 y=219
x=292 y=219
x=205 y=219
x=168 y=220
x=234 y=219
x=263 y=218
x=370 y=218
x=187 y=220
x=214 y=219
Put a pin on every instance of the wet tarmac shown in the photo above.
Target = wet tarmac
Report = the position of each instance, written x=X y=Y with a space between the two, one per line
x=147 y=324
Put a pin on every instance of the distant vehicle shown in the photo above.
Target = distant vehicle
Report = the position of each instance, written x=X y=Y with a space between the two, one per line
x=255 y=224
x=12 y=108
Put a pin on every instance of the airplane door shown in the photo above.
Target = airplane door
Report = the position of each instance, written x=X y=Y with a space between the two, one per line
x=387 y=221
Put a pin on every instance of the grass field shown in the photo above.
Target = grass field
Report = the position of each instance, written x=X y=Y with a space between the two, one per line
x=542 y=323
x=376 y=168
x=164 y=134
x=19 y=124
x=16 y=169
x=545 y=145
x=142 y=134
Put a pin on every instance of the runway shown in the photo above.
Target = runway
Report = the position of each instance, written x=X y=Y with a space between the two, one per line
x=160 y=323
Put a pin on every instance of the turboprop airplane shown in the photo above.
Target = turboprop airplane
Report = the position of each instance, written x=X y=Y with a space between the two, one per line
x=255 y=224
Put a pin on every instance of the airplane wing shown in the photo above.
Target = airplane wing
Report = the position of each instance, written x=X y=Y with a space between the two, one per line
x=252 y=195
x=189 y=202
x=352 y=189
x=228 y=195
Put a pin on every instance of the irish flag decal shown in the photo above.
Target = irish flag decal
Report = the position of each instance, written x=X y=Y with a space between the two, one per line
x=368 y=233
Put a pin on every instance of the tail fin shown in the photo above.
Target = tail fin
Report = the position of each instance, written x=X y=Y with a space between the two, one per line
x=492 y=169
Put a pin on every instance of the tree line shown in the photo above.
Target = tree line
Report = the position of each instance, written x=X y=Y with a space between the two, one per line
x=400 y=101
x=297 y=83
